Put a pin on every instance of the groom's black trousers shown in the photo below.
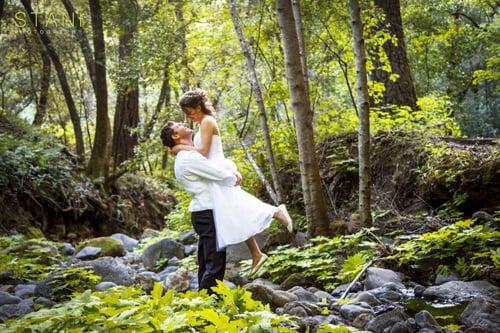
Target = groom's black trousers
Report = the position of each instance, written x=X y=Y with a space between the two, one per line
x=211 y=263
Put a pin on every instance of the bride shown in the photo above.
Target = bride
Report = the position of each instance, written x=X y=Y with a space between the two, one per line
x=238 y=215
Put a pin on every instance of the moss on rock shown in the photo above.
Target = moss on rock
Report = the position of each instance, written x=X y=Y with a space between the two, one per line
x=109 y=246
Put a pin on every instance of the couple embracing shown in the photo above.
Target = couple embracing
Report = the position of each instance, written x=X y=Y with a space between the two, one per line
x=221 y=212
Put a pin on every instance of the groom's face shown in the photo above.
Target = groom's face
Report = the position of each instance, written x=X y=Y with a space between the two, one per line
x=181 y=131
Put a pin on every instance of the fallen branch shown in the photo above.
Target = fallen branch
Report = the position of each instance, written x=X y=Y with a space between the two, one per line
x=357 y=277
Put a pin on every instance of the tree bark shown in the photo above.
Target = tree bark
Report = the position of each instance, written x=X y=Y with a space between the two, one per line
x=81 y=36
x=314 y=201
x=41 y=108
x=2 y=4
x=297 y=15
x=256 y=87
x=364 y=113
x=73 y=113
x=181 y=41
x=402 y=91
x=163 y=100
x=99 y=160
x=127 y=102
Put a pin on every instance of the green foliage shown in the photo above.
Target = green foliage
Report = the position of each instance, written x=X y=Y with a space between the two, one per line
x=72 y=280
x=318 y=259
x=180 y=218
x=470 y=250
x=30 y=259
x=129 y=309
x=328 y=328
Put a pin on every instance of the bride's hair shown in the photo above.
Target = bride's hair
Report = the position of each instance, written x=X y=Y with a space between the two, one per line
x=194 y=98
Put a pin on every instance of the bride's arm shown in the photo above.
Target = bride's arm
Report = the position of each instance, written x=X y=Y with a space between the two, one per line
x=208 y=128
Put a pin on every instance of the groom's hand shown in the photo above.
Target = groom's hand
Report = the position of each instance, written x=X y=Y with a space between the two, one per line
x=238 y=179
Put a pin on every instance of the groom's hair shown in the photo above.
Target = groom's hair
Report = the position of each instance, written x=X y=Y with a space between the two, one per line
x=166 y=135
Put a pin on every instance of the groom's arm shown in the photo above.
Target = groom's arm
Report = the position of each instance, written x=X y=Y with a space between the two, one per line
x=204 y=168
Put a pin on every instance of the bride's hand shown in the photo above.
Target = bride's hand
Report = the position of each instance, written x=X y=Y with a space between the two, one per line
x=178 y=148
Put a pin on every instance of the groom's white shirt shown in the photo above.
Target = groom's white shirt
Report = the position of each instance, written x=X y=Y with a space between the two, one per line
x=194 y=171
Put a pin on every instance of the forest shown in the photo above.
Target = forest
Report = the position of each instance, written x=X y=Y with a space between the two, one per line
x=377 y=123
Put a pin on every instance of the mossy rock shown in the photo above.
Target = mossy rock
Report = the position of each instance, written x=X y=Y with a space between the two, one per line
x=33 y=232
x=109 y=246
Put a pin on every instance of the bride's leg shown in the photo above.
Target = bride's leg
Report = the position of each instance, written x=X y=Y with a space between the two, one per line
x=254 y=250
x=283 y=217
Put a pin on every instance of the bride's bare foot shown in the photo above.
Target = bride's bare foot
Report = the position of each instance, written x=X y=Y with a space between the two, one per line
x=257 y=263
x=284 y=218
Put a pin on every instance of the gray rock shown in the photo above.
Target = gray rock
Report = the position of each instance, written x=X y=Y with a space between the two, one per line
x=324 y=296
x=475 y=330
x=352 y=311
x=238 y=252
x=174 y=261
x=129 y=243
x=368 y=298
x=190 y=249
x=297 y=311
x=260 y=292
x=7 y=277
x=362 y=320
x=342 y=288
x=111 y=270
x=386 y=292
x=483 y=217
x=425 y=320
x=295 y=279
x=187 y=237
x=300 y=239
x=9 y=311
x=386 y=321
x=88 y=252
x=281 y=297
x=166 y=248
x=25 y=290
x=419 y=290
x=482 y=312
x=6 y=298
x=229 y=284
x=378 y=277
x=304 y=295
x=44 y=302
x=401 y=327
x=101 y=286
x=167 y=271
x=67 y=249
x=267 y=283
x=309 y=308
x=440 y=279
x=178 y=280
x=150 y=233
x=460 y=290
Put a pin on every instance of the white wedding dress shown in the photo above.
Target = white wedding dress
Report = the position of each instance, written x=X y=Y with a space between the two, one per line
x=238 y=215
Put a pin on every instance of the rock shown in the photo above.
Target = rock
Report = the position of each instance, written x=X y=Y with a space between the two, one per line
x=419 y=290
x=300 y=239
x=281 y=297
x=187 y=237
x=342 y=288
x=174 y=261
x=362 y=320
x=166 y=248
x=190 y=249
x=295 y=279
x=150 y=233
x=260 y=292
x=386 y=321
x=109 y=246
x=44 y=302
x=368 y=298
x=8 y=288
x=461 y=291
x=378 y=277
x=482 y=217
x=352 y=311
x=267 y=283
x=324 y=296
x=129 y=243
x=25 y=290
x=111 y=270
x=166 y=272
x=67 y=249
x=476 y=330
x=482 y=312
x=7 y=277
x=387 y=292
x=6 y=298
x=178 y=281
x=297 y=311
x=33 y=232
x=425 y=320
x=238 y=252
x=229 y=284
x=401 y=327
x=304 y=295
x=440 y=279
x=105 y=286
x=9 y=311
x=88 y=253
x=309 y=308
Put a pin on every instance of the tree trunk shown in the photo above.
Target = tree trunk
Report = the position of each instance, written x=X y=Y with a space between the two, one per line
x=297 y=15
x=314 y=201
x=402 y=91
x=99 y=160
x=2 y=4
x=163 y=100
x=41 y=108
x=256 y=87
x=364 y=113
x=81 y=36
x=127 y=102
x=181 y=41
x=73 y=113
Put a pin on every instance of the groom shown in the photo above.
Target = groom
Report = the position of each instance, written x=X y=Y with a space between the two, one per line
x=194 y=171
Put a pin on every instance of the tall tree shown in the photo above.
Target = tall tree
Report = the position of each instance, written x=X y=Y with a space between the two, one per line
x=41 y=107
x=256 y=87
x=364 y=113
x=127 y=102
x=99 y=159
x=61 y=74
x=314 y=201
x=402 y=90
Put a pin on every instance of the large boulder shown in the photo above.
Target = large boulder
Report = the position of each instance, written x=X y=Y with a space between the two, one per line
x=111 y=270
x=386 y=321
x=378 y=277
x=129 y=243
x=6 y=298
x=109 y=246
x=461 y=291
x=166 y=248
x=482 y=312
x=9 y=311
x=260 y=292
x=25 y=290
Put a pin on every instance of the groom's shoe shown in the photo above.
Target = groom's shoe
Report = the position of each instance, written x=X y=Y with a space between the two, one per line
x=289 y=226
x=261 y=262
